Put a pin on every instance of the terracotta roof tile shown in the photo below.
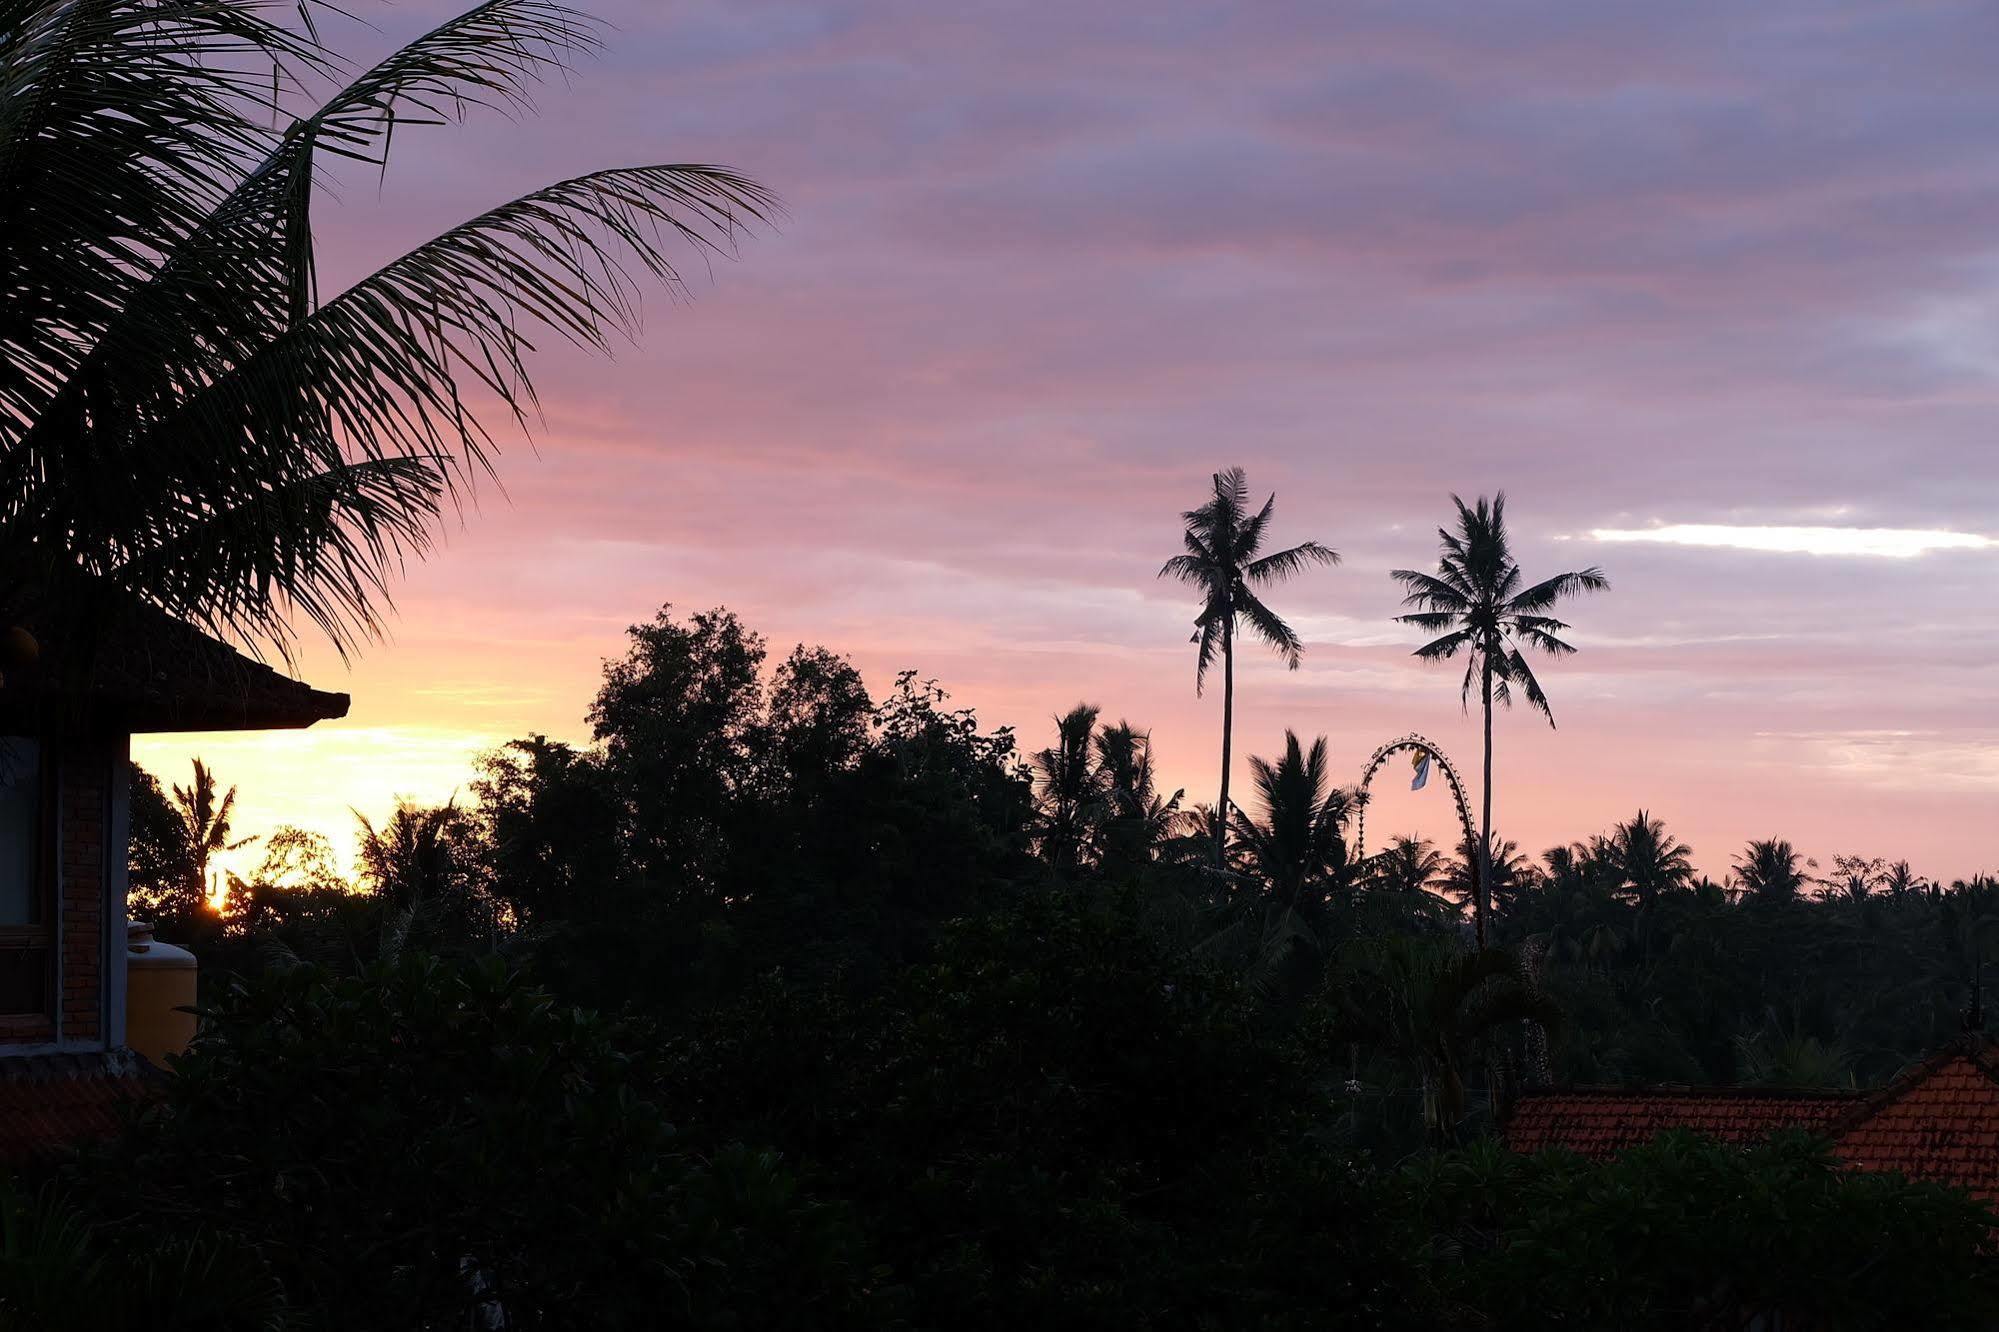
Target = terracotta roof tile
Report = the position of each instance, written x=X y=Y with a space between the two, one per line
x=1938 y=1121
x=1602 y=1121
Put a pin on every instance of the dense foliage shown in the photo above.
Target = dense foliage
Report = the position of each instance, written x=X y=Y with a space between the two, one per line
x=778 y=1005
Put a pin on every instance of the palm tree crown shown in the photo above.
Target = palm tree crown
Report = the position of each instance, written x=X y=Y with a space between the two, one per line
x=205 y=832
x=1070 y=788
x=1410 y=865
x=1512 y=871
x=1222 y=563
x=183 y=416
x=1478 y=603
x=1768 y=870
x=1648 y=859
x=1137 y=820
x=1477 y=600
x=1300 y=842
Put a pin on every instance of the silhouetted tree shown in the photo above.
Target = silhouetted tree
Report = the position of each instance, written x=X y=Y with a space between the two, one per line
x=1902 y=881
x=1297 y=847
x=816 y=722
x=678 y=718
x=1138 y=821
x=298 y=859
x=1854 y=878
x=1222 y=564
x=182 y=413
x=1433 y=1004
x=155 y=859
x=1512 y=871
x=1069 y=789
x=1477 y=598
x=423 y=865
x=550 y=832
x=1768 y=870
x=1647 y=860
x=1408 y=865
x=178 y=841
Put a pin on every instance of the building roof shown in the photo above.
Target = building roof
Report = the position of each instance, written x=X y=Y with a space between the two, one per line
x=52 y=1102
x=1601 y=1121
x=1937 y=1121
x=108 y=661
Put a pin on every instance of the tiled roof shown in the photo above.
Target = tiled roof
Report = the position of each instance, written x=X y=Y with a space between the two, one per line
x=50 y=1102
x=108 y=660
x=1602 y=1121
x=1939 y=1121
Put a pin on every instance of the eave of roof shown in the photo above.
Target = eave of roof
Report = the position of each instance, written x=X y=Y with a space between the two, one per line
x=108 y=662
x=1602 y=1121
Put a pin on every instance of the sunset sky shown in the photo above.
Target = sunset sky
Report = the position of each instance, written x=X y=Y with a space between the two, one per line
x=1710 y=289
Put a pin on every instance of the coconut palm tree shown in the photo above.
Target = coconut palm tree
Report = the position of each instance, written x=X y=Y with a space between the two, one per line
x=204 y=832
x=1477 y=599
x=1647 y=860
x=1272 y=926
x=1070 y=788
x=420 y=864
x=1512 y=872
x=1409 y=865
x=1768 y=870
x=1435 y=1005
x=1137 y=820
x=1194 y=836
x=1577 y=867
x=185 y=416
x=1221 y=563
x=1902 y=881
x=1299 y=844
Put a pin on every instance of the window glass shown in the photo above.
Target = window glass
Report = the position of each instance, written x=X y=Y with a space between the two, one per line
x=20 y=799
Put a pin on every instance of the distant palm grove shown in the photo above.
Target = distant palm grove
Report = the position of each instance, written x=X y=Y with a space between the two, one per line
x=785 y=1002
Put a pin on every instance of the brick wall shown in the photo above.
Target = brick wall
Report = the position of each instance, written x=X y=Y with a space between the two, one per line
x=83 y=778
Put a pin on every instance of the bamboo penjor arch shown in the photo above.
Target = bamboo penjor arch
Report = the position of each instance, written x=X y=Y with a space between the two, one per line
x=1409 y=744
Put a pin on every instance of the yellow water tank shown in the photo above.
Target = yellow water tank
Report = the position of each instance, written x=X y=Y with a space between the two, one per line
x=159 y=987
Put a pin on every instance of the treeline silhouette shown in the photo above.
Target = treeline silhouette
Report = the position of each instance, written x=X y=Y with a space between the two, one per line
x=732 y=818
x=781 y=1005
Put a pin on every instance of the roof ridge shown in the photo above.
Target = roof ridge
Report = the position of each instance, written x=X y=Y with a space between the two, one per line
x=1974 y=1049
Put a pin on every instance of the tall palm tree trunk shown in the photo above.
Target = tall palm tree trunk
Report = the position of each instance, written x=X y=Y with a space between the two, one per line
x=1482 y=890
x=1228 y=734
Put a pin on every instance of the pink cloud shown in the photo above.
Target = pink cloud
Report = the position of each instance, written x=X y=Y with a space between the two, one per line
x=1047 y=267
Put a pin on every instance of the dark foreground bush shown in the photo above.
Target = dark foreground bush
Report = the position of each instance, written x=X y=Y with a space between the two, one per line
x=1054 y=1122
x=1688 y=1233
x=427 y=1145
x=1059 y=1119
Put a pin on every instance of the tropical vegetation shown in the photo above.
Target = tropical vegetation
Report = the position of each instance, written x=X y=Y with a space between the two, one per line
x=856 y=1015
x=1479 y=604
x=781 y=1003
x=1224 y=564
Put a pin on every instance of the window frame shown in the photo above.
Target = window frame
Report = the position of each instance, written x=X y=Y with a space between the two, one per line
x=39 y=935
